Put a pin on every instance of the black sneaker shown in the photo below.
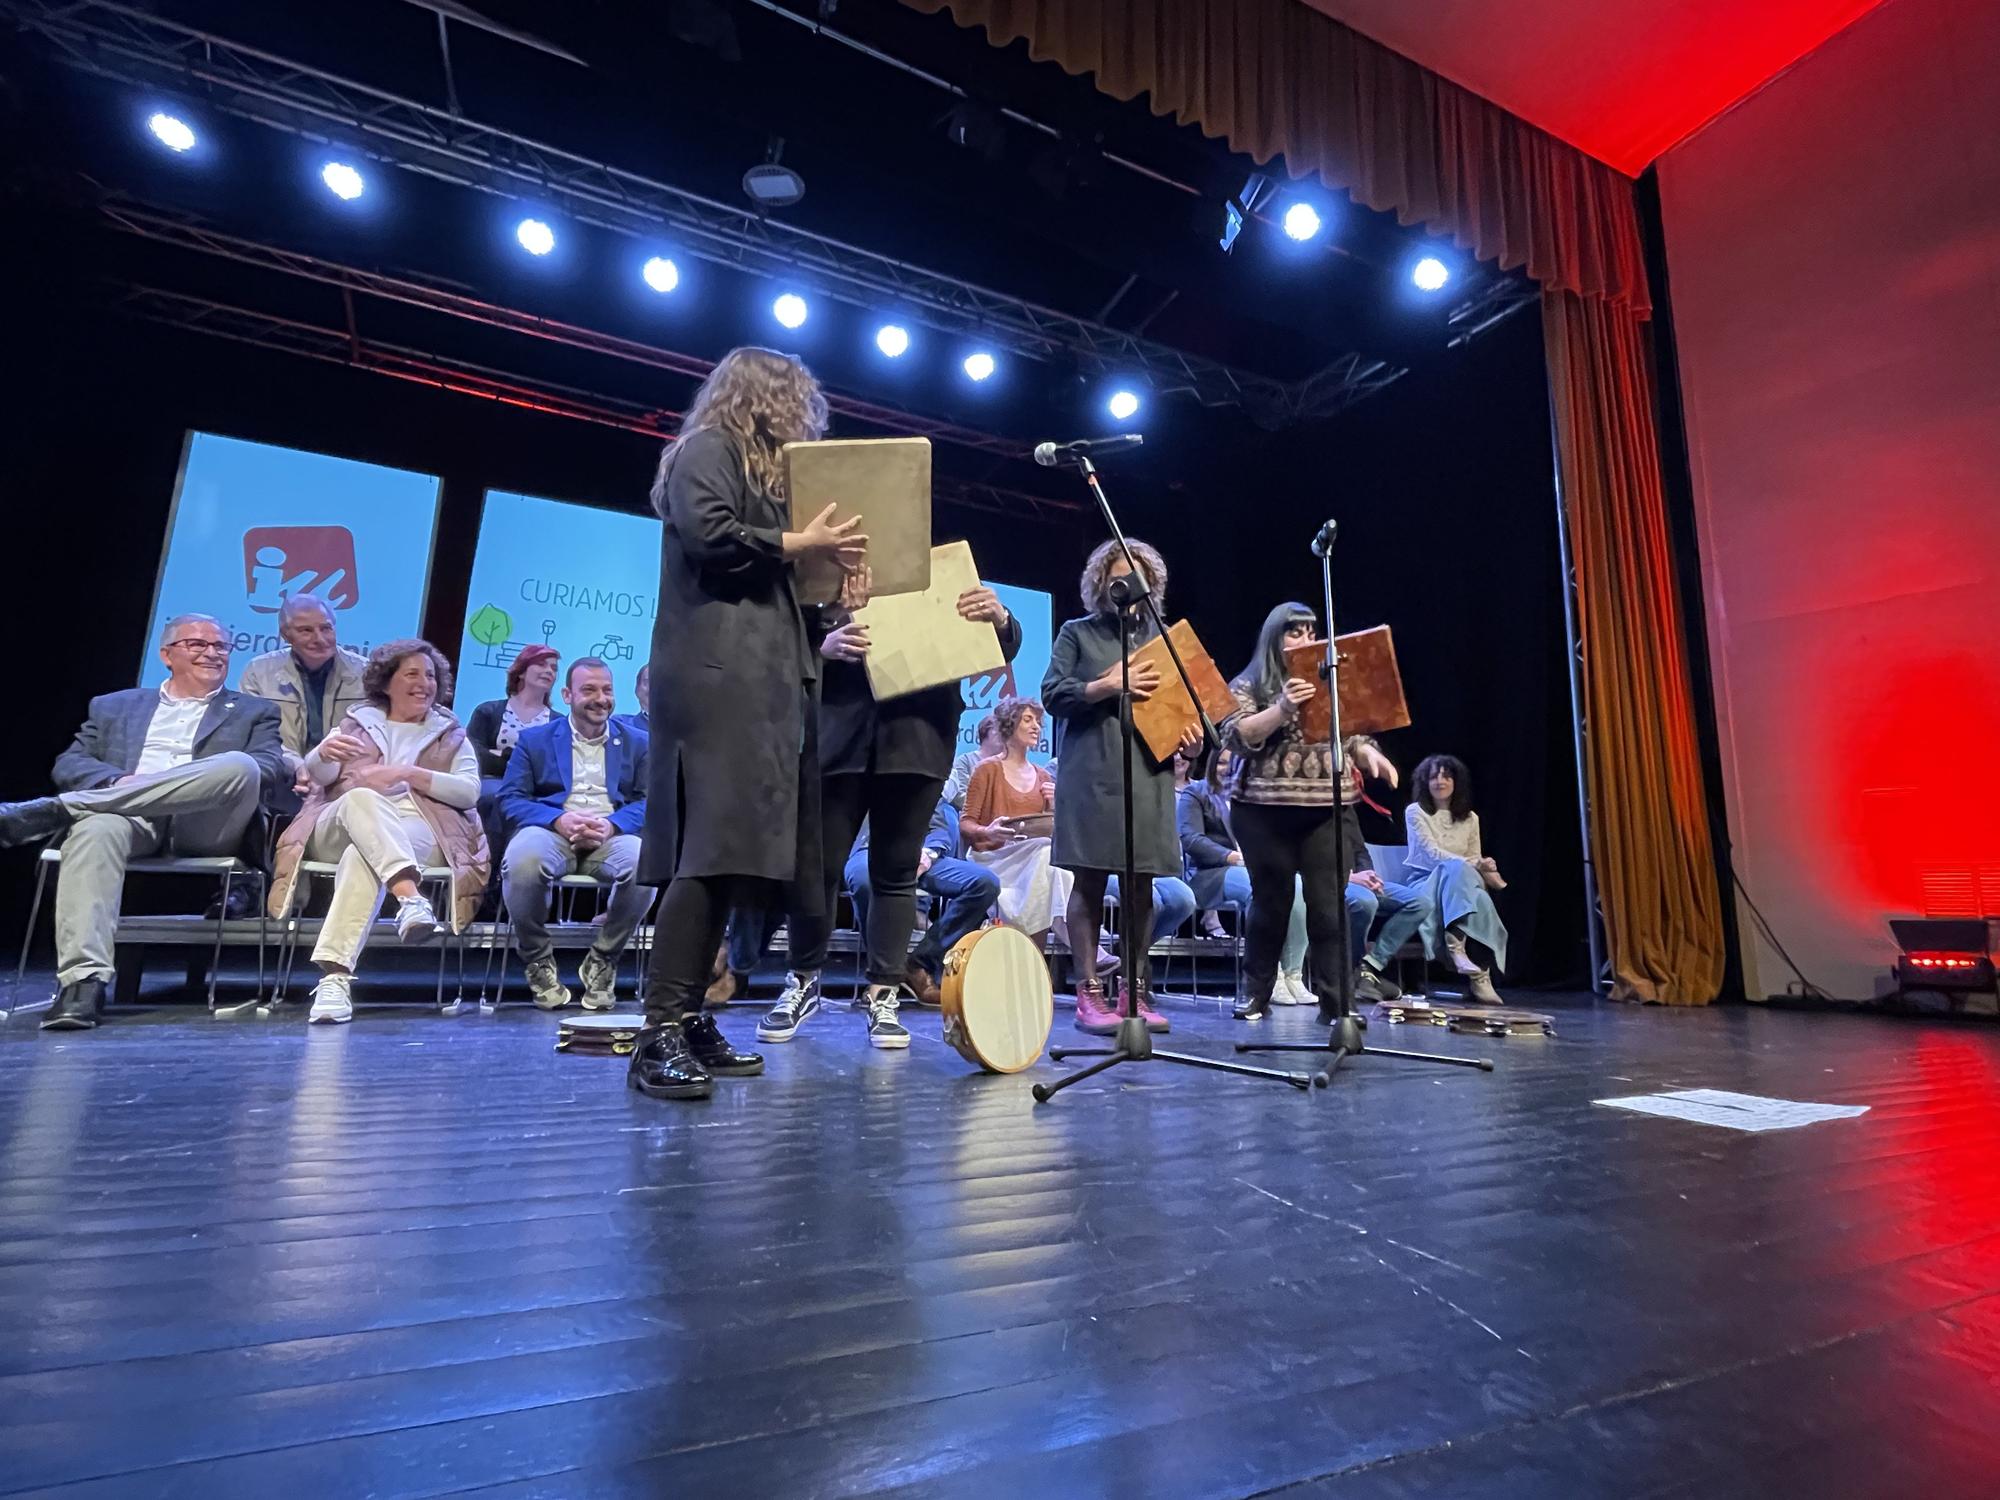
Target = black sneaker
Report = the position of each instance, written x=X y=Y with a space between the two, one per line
x=794 y=1008
x=1371 y=985
x=884 y=1030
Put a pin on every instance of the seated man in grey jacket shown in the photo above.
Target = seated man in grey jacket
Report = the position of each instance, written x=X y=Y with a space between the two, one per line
x=179 y=767
x=314 y=679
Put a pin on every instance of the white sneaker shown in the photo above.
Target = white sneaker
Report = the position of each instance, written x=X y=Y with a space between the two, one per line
x=545 y=986
x=599 y=976
x=415 y=921
x=333 y=1000
x=1291 y=989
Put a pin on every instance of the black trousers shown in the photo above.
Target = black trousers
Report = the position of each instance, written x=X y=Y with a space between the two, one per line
x=1280 y=845
x=899 y=810
x=688 y=929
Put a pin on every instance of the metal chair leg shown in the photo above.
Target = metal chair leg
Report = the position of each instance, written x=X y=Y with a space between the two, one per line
x=28 y=937
x=215 y=956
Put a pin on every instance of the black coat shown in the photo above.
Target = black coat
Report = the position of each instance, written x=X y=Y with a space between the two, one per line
x=1090 y=761
x=733 y=784
x=915 y=735
x=482 y=731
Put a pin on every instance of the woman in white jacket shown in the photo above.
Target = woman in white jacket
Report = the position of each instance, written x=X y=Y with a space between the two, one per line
x=1443 y=848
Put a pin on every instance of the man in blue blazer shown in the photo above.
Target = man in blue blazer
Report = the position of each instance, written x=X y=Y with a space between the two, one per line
x=178 y=767
x=575 y=796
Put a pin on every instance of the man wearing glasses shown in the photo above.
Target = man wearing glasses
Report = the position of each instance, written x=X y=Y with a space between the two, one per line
x=181 y=767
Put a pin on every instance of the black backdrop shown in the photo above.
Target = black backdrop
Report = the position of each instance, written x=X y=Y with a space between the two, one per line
x=1442 y=487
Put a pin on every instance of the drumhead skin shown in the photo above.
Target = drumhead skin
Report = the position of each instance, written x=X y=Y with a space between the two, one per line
x=998 y=1005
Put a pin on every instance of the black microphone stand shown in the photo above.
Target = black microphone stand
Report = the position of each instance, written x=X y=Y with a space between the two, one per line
x=1344 y=1034
x=1134 y=1043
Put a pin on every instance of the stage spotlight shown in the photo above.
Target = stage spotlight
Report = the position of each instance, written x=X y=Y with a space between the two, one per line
x=789 y=309
x=1123 y=406
x=535 y=236
x=1301 y=221
x=1429 y=274
x=892 y=340
x=342 y=181
x=661 y=274
x=171 y=131
x=979 y=366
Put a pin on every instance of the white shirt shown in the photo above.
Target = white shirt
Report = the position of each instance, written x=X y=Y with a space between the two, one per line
x=170 y=736
x=587 y=790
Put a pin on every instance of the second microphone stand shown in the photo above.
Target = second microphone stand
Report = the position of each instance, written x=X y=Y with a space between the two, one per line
x=1134 y=1042
x=1344 y=1033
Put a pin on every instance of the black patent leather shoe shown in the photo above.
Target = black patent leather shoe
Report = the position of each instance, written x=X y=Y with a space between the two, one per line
x=79 y=1007
x=37 y=818
x=1253 y=1007
x=663 y=1068
x=712 y=1050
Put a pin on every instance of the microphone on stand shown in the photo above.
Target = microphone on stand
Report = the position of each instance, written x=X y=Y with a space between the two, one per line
x=1048 y=455
x=1323 y=539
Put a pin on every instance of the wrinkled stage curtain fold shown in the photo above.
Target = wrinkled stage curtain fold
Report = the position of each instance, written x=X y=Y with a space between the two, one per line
x=1276 y=78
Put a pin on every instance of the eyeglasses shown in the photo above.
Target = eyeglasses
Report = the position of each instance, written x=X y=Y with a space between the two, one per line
x=194 y=646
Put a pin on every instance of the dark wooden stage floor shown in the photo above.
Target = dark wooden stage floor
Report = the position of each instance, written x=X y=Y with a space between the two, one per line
x=422 y=1256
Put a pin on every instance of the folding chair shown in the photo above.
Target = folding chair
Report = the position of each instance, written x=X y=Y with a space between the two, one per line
x=566 y=887
x=436 y=880
x=226 y=868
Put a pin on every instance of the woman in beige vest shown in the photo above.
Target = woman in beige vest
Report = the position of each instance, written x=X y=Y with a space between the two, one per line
x=394 y=788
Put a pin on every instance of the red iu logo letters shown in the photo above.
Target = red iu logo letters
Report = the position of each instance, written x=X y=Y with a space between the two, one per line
x=279 y=561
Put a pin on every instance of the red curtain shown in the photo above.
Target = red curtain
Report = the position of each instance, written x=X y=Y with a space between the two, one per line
x=1275 y=79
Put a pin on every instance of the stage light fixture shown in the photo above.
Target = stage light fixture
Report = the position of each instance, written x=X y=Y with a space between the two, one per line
x=789 y=309
x=661 y=274
x=171 y=131
x=1123 y=405
x=1943 y=953
x=1302 y=222
x=342 y=181
x=535 y=236
x=979 y=365
x=1429 y=274
x=893 y=340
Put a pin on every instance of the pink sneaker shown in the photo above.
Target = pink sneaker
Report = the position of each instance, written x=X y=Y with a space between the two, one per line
x=1093 y=1014
x=1153 y=1019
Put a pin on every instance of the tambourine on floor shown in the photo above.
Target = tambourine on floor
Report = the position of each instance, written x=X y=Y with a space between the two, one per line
x=1476 y=1020
x=997 y=1000
x=606 y=1035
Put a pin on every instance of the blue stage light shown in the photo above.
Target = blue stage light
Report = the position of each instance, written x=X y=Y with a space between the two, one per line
x=893 y=340
x=1429 y=274
x=789 y=309
x=1301 y=221
x=171 y=131
x=535 y=236
x=979 y=365
x=342 y=181
x=661 y=274
x=1123 y=405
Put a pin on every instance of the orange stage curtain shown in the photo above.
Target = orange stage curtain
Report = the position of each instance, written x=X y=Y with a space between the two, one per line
x=1275 y=78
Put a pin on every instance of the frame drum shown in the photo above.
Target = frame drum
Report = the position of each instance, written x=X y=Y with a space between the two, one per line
x=998 y=1004
x=606 y=1035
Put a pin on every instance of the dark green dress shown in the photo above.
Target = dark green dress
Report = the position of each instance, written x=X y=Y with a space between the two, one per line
x=1090 y=762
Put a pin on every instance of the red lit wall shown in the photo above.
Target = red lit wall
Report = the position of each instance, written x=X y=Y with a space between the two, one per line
x=1834 y=251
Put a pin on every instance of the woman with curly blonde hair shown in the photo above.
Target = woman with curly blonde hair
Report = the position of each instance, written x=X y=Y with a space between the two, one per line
x=1081 y=690
x=732 y=794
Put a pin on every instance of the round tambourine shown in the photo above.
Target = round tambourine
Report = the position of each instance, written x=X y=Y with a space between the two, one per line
x=997 y=1001
x=606 y=1035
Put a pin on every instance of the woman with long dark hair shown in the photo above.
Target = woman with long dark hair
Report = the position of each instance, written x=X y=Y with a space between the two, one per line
x=1443 y=851
x=1283 y=810
x=1081 y=690
x=732 y=797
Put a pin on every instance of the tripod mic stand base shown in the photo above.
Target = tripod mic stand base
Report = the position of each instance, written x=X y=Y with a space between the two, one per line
x=1135 y=1044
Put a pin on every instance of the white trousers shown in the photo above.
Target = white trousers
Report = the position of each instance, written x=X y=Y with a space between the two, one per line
x=371 y=842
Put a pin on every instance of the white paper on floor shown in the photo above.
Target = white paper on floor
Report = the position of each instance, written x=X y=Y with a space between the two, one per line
x=1734 y=1111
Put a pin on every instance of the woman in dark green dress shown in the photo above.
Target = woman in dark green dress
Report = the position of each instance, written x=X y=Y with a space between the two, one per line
x=1081 y=694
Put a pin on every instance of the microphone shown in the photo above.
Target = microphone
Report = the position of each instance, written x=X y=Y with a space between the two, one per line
x=1048 y=455
x=1323 y=539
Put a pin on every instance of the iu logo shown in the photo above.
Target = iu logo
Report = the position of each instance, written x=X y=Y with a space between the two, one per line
x=279 y=561
x=988 y=688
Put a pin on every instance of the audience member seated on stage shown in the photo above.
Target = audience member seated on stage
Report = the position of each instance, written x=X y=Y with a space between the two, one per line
x=178 y=769
x=1219 y=878
x=314 y=679
x=575 y=796
x=988 y=744
x=746 y=939
x=1443 y=852
x=393 y=792
x=497 y=725
x=964 y=893
x=1008 y=805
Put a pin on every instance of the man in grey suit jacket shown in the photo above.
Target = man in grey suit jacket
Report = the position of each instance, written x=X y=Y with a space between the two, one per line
x=181 y=767
x=314 y=680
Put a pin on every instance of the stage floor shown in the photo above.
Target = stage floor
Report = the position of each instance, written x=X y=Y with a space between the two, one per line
x=420 y=1256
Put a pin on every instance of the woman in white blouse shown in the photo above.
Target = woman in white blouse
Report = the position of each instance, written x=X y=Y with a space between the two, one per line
x=1443 y=847
x=393 y=792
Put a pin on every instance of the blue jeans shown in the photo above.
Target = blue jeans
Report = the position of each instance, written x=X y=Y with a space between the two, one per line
x=1401 y=909
x=963 y=892
x=1229 y=885
x=749 y=937
x=1173 y=904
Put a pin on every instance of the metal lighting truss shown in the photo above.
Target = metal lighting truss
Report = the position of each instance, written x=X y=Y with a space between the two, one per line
x=131 y=47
